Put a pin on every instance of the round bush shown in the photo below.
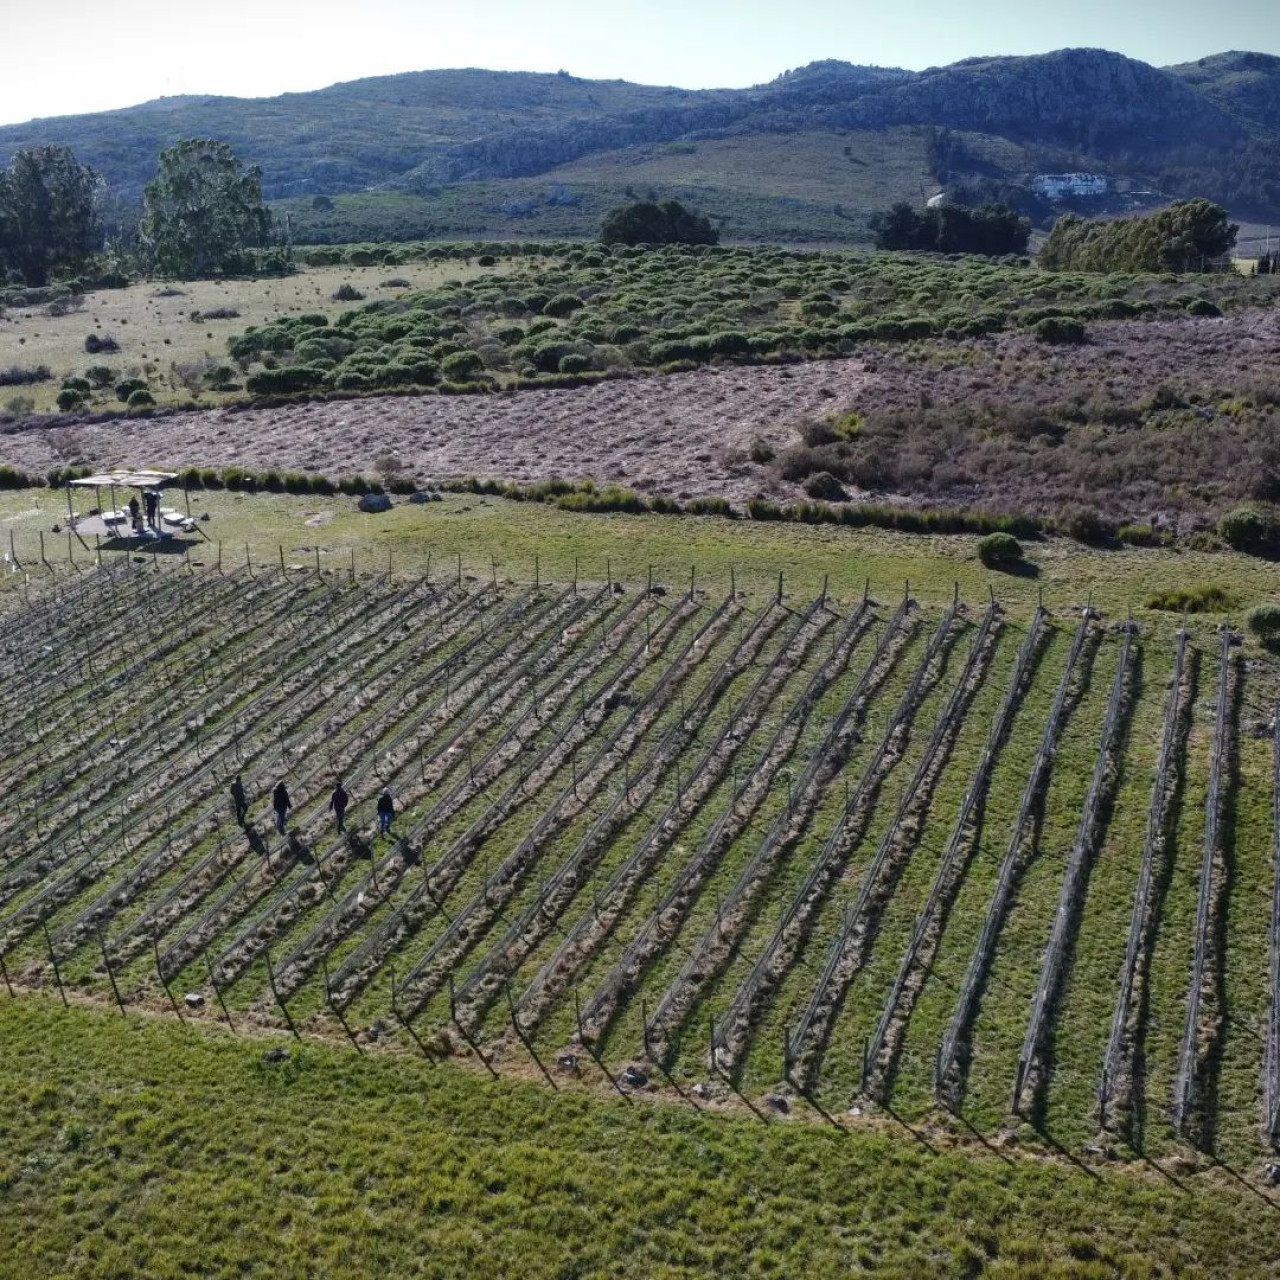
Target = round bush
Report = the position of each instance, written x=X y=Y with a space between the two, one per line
x=574 y=363
x=1202 y=307
x=825 y=487
x=562 y=304
x=1264 y=622
x=69 y=399
x=461 y=365
x=999 y=550
x=141 y=399
x=1245 y=529
x=1060 y=330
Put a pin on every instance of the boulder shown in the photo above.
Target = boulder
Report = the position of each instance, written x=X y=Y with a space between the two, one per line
x=634 y=1078
x=193 y=1000
x=374 y=502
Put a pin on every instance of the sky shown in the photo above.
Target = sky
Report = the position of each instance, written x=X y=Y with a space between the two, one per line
x=61 y=57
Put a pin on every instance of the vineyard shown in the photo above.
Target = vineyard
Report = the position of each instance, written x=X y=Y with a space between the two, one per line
x=940 y=861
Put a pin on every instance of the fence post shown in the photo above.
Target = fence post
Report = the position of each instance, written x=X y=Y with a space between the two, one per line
x=111 y=974
x=53 y=959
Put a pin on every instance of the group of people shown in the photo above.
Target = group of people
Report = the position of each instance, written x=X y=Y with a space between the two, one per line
x=339 y=800
x=152 y=499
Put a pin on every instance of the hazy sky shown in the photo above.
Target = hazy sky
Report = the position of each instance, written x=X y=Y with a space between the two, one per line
x=58 y=57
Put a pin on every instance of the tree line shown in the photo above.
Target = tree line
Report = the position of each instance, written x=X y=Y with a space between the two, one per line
x=1190 y=235
x=202 y=213
x=992 y=229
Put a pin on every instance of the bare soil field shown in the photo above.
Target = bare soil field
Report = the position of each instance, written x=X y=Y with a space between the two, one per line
x=1173 y=419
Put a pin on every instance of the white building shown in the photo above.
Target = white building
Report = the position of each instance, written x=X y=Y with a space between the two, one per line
x=1053 y=186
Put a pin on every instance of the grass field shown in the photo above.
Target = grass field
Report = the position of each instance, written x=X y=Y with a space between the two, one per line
x=159 y=341
x=328 y=1164
x=685 y=817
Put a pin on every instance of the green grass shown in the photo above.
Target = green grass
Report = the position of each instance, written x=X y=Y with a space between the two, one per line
x=132 y=1148
x=496 y=534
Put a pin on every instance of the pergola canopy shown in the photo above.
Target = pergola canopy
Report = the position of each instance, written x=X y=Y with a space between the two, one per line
x=127 y=479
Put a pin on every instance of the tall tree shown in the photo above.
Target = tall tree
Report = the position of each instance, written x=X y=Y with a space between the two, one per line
x=202 y=210
x=48 y=212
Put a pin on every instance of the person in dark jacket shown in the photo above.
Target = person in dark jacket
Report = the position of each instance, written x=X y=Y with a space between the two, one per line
x=152 y=499
x=338 y=803
x=239 y=800
x=386 y=811
x=281 y=803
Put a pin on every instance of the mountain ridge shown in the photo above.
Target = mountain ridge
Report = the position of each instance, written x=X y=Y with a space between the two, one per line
x=420 y=132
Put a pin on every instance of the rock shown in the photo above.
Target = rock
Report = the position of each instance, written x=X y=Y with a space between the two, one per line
x=272 y=1056
x=193 y=1000
x=567 y=1062
x=374 y=502
x=1271 y=1174
x=634 y=1078
x=701 y=1091
x=778 y=1102
x=419 y=496
x=855 y=1110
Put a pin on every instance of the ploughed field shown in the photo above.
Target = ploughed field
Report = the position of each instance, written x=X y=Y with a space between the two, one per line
x=929 y=857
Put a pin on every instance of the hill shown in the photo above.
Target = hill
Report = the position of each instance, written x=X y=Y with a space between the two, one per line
x=473 y=152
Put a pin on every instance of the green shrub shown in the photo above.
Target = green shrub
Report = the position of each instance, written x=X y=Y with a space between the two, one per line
x=563 y=304
x=69 y=399
x=1059 y=330
x=1264 y=622
x=1086 y=525
x=141 y=399
x=12 y=478
x=573 y=363
x=611 y=499
x=347 y=293
x=1201 y=307
x=126 y=388
x=999 y=550
x=461 y=365
x=1245 y=529
x=286 y=381
x=99 y=376
x=825 y=487
x=709 y=507
x=1202 y=599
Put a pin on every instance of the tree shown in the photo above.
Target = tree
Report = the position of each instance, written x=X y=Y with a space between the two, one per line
x=952 y=228
x=203 y=210
x=647 y=222
x=48 y=213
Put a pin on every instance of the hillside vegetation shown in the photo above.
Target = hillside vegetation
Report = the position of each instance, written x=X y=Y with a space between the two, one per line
x=1208 y=130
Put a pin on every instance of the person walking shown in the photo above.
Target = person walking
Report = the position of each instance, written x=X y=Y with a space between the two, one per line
x=281 y=803
x=239 y=799
x=338 y=803
x=152 y=499
x=386 y=811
